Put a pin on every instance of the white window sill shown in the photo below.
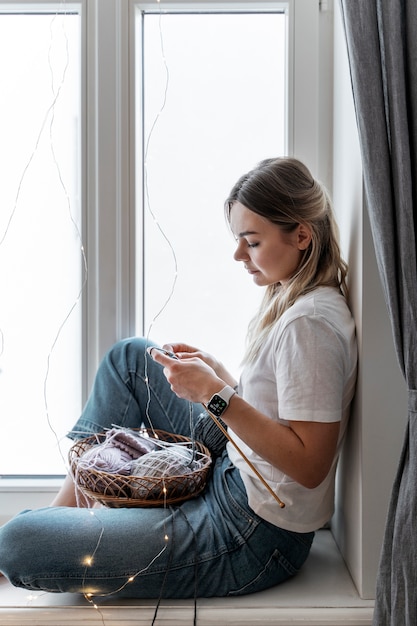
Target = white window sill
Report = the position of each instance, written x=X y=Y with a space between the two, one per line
x=19 y=485
x=322 y=594
x=17 y=494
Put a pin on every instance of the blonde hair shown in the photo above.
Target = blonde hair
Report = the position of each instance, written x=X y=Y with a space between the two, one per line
x=284 y=191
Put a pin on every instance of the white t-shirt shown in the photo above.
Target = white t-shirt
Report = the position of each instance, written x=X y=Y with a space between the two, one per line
x=306 y=371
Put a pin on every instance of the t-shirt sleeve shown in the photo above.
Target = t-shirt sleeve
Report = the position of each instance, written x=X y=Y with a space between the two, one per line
x=310 y=371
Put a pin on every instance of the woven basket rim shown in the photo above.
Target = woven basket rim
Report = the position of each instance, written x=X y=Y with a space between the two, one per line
x=192 y=483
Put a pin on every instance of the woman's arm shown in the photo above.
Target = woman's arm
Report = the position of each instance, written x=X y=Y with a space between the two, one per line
x=66 y=495
x=303 y=450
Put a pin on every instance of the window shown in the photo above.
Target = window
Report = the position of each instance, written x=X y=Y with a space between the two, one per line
x=41 y=261
x=95 y=139
x=215 y=101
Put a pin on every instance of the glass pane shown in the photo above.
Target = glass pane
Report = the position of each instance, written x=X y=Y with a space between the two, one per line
x=214 y=91
x=41 y=265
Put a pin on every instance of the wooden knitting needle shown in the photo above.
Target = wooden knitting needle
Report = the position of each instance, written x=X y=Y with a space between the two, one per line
x=245 y=458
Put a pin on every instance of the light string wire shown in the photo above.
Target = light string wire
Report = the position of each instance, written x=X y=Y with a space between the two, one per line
x=50 y=115
x=167 y=538
x=165 y=304
x=89 y=561
x=72 y=219
x=56 y=86
x=147 y=196
x=170 y=556
x=162 y=309
x=151 y=211
x=181 y=512
x=170 y=294
x=162 y=232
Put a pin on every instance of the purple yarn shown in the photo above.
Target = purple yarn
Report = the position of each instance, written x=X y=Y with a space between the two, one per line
x=106 y=458
x=132 y=443
x=116 y=453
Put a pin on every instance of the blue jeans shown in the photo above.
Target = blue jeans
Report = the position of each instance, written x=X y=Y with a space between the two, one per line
x=212 y=545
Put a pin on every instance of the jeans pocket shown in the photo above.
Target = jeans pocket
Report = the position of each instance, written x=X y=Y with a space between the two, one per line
x=276 y=569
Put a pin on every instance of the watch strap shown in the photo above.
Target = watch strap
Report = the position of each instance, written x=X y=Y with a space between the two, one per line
x=219 y=401
x=226 y=393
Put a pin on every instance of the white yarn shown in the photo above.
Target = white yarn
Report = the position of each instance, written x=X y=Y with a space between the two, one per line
x=168 y=462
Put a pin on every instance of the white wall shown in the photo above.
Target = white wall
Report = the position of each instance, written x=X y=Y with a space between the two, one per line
x=372 y=450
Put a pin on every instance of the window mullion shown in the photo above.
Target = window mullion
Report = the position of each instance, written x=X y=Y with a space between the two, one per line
x=108 y=197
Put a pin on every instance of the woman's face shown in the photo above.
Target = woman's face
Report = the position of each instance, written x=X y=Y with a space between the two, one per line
x=269 y=255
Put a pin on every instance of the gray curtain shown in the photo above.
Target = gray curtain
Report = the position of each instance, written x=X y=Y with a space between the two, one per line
x=381 y=37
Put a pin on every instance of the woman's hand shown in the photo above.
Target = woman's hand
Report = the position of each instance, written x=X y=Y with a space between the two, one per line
x=190 y=376
x=184 y=351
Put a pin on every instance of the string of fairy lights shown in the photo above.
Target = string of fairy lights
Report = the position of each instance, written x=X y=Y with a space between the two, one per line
x=88 y=560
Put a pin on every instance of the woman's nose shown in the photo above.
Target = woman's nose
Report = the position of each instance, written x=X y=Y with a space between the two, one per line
x=240 y=254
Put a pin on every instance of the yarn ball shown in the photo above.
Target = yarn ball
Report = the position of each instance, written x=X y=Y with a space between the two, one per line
x=116 y=453
x=165 y=463
x=106 y=458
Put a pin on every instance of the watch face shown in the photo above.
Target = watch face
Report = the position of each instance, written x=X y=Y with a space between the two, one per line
x=217 y=405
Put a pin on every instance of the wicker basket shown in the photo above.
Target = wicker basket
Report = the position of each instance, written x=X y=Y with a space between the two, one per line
x=118 y=491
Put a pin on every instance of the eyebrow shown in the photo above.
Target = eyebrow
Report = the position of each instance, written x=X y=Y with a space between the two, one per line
x=245 y=233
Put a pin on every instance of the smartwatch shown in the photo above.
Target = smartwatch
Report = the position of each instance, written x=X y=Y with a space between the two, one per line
x=219 y=402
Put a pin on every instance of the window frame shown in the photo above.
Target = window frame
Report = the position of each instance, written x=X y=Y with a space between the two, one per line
x=109 y=164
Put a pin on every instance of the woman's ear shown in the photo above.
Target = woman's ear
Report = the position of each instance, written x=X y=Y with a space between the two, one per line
x=304 y=236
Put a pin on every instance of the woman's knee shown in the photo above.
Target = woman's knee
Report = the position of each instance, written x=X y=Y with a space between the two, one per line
x=14 y=549
x=129 y=354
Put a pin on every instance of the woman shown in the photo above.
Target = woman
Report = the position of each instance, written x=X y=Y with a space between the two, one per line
x=288 y=418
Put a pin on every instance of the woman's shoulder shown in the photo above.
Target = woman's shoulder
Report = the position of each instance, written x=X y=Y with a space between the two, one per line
x=320 y=318
x=323 y=306
x=320 y=300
